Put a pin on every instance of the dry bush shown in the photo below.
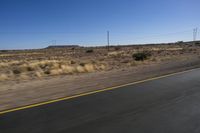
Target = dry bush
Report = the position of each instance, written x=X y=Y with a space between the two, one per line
x=24 y=68
x=72 y=62
x=82 y=64
x=39 y=74
x=141 y=56
x=118 y=54
x=114 y=54
x=125 y=61
x=102 y=67
x=16 y=71
x=89 y=67
x=56 y=72
x=54 y=65
x=89 y=51
x=68 y=69
x=80 y=69
x=14 y=62
x=3 y=77
x=174 y=49
x=132 y=63
x=153 y=59
x=2 y=64
x=24 y=77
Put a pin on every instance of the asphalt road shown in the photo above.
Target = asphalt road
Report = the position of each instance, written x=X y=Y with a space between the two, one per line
x=167 y=105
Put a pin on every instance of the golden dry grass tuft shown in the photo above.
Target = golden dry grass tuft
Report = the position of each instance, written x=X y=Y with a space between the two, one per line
x=24 y=77
x=37 y=69
x=39 y=74
x=80 y=69
x=56 y=72
x=68 y=69
x=3 y=77
x=89 y=68
x=3 y=64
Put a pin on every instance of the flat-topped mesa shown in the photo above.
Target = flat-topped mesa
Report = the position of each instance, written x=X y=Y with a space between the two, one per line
x=63 y=46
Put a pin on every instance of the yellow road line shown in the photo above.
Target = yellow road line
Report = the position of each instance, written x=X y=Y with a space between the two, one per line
x=92 y=92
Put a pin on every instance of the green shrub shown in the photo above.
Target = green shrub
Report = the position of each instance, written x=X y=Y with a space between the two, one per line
x=117 y=48
x=197 y=43
x=72 y=62
x=16 y=71
x=82 y=64
x=141 y=56
x=89 y=51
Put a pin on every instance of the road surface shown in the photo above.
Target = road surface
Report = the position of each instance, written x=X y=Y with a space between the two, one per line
x=166 y=105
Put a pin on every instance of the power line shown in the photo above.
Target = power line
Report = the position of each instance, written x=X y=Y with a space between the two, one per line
x=54 y=42
x=195 y=34
x=108 y=40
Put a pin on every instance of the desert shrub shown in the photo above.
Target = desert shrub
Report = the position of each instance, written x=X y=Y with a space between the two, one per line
x=3 y=77
x=47 y=72
x=80 y=69
x=154 y=59
x=4 y=51
x=197 y=43
x=2 y=64
x=117 y=48
x=125 y=61
x=72 y=62
x=89 y=51
x=102 y=67
x=56 y=71
x=68 y=69
x=179 y=42
x=82 y=64
x=24 y=76
x=141 y=56
x=30 y=68
x=89 y=67
x=39 y=74
x=16 y=71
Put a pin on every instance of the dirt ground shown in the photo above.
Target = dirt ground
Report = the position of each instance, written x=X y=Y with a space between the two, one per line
x=34 y=76
x=21 y=65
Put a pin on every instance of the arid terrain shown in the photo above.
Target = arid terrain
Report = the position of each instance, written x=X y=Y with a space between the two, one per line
x=31 y=76
x=32 y=64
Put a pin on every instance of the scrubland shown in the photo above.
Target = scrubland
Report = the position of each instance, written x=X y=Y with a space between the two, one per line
x=42 y=63
x=34 y=76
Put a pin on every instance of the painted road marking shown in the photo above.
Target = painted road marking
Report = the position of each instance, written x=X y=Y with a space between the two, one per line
x=92 y=92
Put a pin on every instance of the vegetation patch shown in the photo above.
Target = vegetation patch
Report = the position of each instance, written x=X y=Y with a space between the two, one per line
x=89 y=51
x=141 y=56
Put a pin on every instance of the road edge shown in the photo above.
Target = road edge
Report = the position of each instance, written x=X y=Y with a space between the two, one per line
x=94 y=92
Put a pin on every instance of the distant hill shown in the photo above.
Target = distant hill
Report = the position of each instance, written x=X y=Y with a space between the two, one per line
x=63 y=46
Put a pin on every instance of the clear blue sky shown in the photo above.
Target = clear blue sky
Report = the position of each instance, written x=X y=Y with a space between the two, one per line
x=34 y=23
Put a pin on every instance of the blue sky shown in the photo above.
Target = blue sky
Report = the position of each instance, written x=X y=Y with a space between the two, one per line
x=35 y=23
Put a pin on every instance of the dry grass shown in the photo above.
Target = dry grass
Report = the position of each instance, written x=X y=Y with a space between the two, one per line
x=51 y=62
x=39 y=74
x=89 y=68
x=38 y=69
x=3 y=77
x=68 y=69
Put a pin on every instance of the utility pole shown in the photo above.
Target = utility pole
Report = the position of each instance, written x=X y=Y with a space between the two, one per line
x=108 y=40
x=195 y=34
x=54 y=42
